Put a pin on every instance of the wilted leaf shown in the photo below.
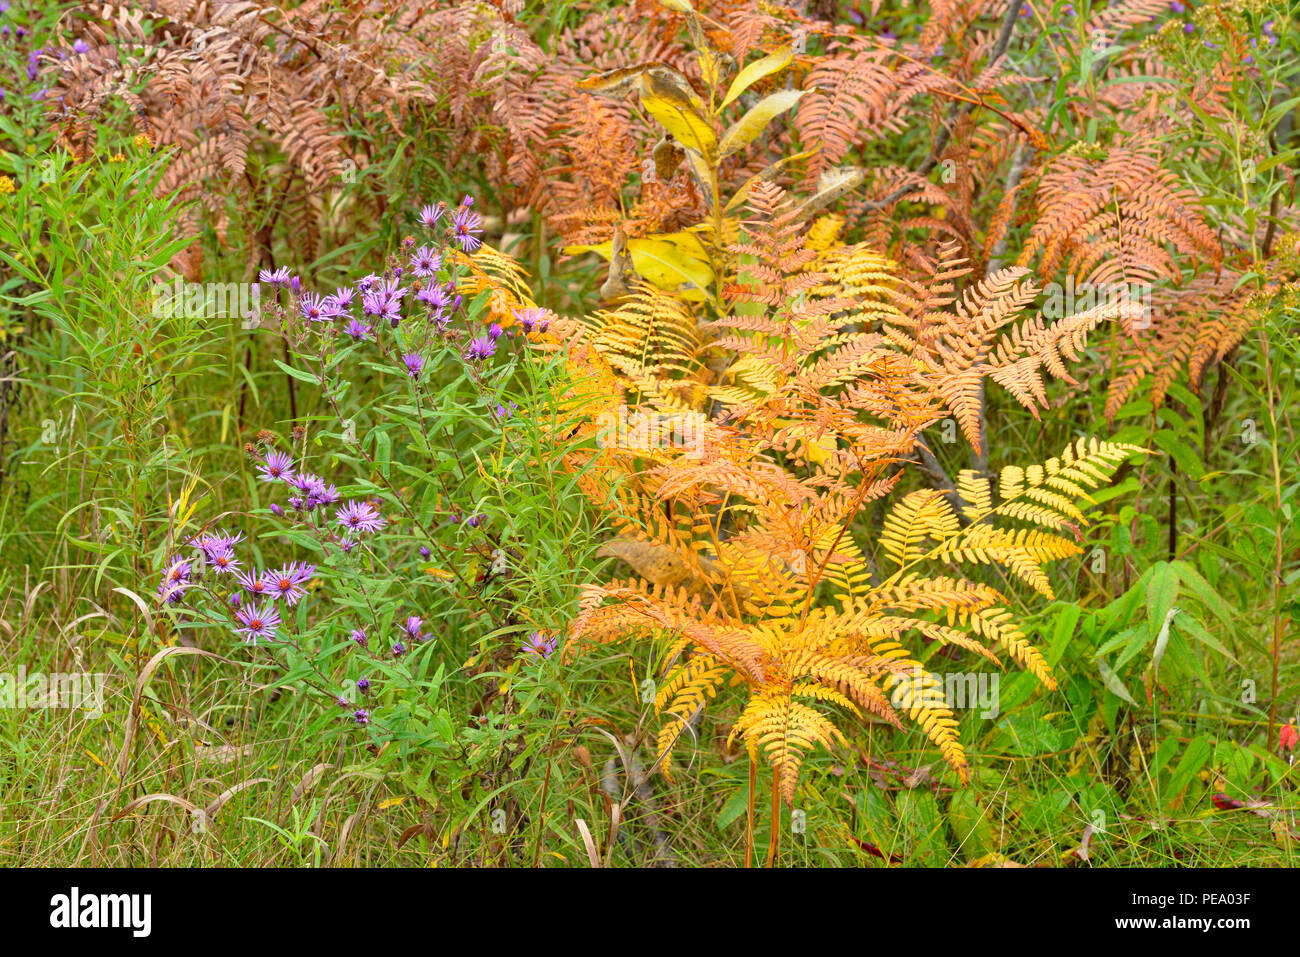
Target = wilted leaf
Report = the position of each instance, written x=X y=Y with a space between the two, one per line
x=833 y=184
x=670 y=99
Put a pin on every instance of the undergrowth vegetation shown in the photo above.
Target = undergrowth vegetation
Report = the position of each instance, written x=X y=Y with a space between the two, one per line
x=654 y=434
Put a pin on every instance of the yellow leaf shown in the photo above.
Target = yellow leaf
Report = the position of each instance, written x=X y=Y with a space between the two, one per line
x=670 y=99
x=675 y=262
x=749 y=126
x=756 y=71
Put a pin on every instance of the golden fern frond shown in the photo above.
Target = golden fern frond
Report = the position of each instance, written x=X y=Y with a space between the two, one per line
x=919 y=694
x=785 y=731
x=998 y=624
x=917 y=518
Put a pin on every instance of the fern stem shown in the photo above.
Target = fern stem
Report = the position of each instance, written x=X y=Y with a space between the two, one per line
x=774 y=838
x=749 y=811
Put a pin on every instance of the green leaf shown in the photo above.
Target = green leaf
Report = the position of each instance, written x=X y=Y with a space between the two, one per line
x=1162 y=592
x=1113 y=684
x=1202 y=589
x=298 y=374
x=735 y=806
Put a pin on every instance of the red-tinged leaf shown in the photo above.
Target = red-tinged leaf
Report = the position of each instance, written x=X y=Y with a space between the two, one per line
x=1287 y=737
x=875 y=851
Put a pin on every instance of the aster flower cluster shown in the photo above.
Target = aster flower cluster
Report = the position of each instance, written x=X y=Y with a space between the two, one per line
x=310 y=493
x=258 y=617
x=416 y=296
x=404 y=314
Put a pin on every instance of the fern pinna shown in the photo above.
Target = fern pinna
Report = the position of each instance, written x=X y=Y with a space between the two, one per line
x=743 y=453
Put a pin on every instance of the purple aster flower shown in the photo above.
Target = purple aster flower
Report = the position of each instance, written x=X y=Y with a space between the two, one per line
x=539 y=645
x=429 y=215
x=359 y=518
x=313 y=308
x=390 y=289
x=365 y=282
x=358 y=330
x=287 y=582
x=361 y=715
x=1178 y=7
x=303 y=481
x=502 y=412
x=210 y=543
x=235 y=599
x=414 y=363
x=426 y=262
x=330 y=308
x=399 y=649
x=323 y=495
x=175 y=580
x=258 y=621
x=494 y=332
x=277 y=466
x=342 y=701
x=254 y=581
x=380 y=306
x=295 y=284
x=468 y=228
x=530 y=318
x=274 y=277
x=363 y=685
x=435 y=295
x=440 y=319
x=474 y=521
x=1189 y=28
x=343 y=297
x=424 y=552
x=79 y=45
x=481 y=347
x=360 y=637
x=222 y=561
x=412 y=626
